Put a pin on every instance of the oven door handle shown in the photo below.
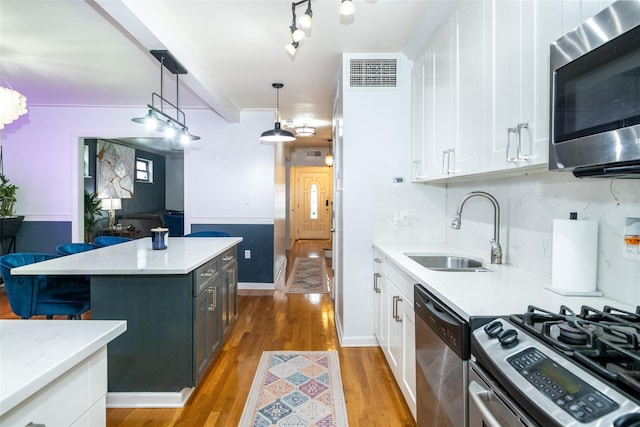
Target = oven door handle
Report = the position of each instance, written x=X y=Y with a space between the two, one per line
x=479 y=396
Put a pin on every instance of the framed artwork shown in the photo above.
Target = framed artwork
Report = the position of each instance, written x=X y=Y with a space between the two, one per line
x=115 y=170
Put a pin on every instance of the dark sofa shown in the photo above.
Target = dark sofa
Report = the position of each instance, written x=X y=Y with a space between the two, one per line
x=145 y=221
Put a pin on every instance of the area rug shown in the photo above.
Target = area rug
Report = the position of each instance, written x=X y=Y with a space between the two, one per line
x=309 y=276
x=296 y=388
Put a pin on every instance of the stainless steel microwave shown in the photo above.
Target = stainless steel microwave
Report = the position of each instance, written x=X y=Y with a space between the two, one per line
x=595 y=95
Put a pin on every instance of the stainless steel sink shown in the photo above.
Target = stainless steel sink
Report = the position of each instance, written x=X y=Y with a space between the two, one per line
x=448 y=263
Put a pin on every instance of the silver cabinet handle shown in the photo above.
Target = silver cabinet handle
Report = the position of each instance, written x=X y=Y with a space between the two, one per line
x=445 y=162
x=510 y=131
x=396 y=316
x=524 y=157
x=378 y=260
x=375 y=282
x=227 y=258
x=214 y=305
x=479 y=396
x=210 y=272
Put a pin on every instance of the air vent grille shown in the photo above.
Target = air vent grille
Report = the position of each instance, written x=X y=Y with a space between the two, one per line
x=372 y=72
x=314 y=153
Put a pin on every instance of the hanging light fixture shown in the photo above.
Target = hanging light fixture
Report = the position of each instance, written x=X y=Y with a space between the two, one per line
x=347 y=8
x=277 y=134
x=13 y=104
x=157 y=118
x=305 y=131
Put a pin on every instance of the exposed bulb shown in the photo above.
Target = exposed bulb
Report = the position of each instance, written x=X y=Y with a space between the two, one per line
x=169 y=131
x=291 y=48
x=298 y=35
x=305 y=20
x=347 y=8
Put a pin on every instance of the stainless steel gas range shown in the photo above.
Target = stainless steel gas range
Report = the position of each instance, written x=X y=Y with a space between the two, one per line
x=543 y=368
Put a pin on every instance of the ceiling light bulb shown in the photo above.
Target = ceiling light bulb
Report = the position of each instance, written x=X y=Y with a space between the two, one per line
x=298 y=35
x=347 y=8
x=169 y=131
x=305 y=20
x=291 y=48
x=185 y=137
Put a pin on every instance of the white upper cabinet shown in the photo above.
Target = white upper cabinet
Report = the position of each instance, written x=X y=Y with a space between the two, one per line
x=481 y=89
x=473 y=104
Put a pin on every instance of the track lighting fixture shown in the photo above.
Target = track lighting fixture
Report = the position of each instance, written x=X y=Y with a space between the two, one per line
x=300 y=26
x=298 y=34
x=347 y=8
x=277 y=134
x=159 y=120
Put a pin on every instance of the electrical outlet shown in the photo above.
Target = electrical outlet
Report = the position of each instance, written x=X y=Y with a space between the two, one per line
x=247 y=254
x=400 y=218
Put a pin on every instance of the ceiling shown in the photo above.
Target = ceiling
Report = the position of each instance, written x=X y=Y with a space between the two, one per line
x=96 y=53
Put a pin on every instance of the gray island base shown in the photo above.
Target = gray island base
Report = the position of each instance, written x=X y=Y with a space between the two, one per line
x=179 y=304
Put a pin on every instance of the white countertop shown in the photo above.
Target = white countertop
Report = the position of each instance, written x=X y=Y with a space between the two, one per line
x=503 y=291
x=34 y=353
x=183 y=255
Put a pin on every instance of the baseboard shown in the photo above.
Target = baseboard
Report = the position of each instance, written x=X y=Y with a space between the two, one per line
x=368 y=341
x=148 y=399
x=256 y=286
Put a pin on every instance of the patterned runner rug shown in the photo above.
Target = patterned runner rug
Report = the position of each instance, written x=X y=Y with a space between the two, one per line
x=308 y=276
x=296 y=388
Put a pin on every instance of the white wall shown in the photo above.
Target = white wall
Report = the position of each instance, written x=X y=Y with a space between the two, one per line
x=42 y=156
x=375 y=150
x=230 y=165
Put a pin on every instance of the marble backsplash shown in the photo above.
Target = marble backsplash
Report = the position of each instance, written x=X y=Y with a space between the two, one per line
x=529 y=204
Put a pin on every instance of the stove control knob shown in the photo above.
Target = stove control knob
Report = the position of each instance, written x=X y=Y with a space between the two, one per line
x=508 y=338
x=493 y=329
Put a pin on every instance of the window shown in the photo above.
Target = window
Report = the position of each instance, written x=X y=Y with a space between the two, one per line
x=144 y=170
x=314 y=201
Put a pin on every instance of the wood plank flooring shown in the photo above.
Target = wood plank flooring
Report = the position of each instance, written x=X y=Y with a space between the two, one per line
x=272 y=320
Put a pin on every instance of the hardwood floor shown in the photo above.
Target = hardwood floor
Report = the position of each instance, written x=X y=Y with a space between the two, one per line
x=272 y=320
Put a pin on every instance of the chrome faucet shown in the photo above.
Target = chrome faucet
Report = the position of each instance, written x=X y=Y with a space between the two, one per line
x=496 y=249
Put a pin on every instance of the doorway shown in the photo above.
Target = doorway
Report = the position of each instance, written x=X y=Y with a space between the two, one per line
x=310 y=203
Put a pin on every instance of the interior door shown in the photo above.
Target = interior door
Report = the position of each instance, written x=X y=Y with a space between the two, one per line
x=312 y=204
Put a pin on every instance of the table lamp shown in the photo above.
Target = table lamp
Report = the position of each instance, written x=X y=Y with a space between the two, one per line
x=111 y=205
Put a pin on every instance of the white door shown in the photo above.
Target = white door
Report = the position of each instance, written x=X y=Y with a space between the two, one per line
x=312 y=203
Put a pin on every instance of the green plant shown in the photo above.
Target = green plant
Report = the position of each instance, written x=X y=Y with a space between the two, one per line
x=7 y=196
x=92 y=215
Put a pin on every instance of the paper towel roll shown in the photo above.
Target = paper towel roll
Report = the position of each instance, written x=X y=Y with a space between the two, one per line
x=574 y=257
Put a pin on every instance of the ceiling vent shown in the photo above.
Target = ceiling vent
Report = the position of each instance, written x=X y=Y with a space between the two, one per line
x=373 y=73
x=314 y=153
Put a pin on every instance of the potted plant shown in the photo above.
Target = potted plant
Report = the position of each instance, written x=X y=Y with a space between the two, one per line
x=7 y=196
x=92 y=215
x=9 y=223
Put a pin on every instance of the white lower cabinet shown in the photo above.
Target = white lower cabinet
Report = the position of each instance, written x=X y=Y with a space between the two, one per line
x=77 y=398
x=395 y=330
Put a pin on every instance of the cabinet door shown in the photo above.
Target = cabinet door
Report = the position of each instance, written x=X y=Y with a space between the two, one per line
x=473 y=106
x=377 y=296
x=418 y=118
x=510 y=81
x=207 y=330
x=224 y=303
x=440 y=136
x=233 y=292
x=409 y=356
x=394 y=341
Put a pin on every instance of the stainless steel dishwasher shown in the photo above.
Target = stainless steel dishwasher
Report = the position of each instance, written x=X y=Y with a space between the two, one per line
x=442 y=355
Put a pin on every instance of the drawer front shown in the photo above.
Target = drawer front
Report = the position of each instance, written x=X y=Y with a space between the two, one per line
x=228 y=258
x=68 y=398
x=205 y=275
x=401 y=280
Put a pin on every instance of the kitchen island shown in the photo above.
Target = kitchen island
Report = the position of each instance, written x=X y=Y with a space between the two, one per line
x=179 y=304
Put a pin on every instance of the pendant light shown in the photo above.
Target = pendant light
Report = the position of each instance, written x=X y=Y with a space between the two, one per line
x=277 y=134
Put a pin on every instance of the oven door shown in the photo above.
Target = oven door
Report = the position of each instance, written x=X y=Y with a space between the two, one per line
x=489 y=406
